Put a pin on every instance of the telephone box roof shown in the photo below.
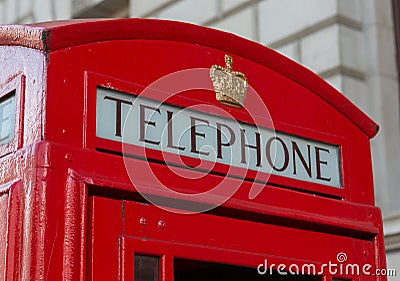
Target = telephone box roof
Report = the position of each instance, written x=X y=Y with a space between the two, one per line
x=51 y=36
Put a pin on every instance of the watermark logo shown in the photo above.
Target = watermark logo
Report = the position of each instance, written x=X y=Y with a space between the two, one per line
x=340 y=267
x=341 y=257
x=192 y=141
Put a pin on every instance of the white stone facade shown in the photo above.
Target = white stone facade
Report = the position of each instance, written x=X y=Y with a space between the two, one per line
x=350 y=43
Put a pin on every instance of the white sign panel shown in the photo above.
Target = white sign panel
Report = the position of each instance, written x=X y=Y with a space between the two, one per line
x=147 y=123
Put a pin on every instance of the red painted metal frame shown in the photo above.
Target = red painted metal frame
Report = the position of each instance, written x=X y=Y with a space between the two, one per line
x=10 y=265
x=59 y=227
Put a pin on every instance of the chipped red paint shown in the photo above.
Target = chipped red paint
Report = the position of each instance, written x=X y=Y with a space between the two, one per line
x=72 y=212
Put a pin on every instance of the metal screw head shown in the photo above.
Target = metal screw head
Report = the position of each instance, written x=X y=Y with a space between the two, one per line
x=161 y=224
x=143 y=222
x=68 y=157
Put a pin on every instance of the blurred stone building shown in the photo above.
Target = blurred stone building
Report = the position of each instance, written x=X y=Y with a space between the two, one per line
x=350 y=43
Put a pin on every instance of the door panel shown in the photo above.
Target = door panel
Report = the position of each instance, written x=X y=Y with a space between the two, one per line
x=167 y=245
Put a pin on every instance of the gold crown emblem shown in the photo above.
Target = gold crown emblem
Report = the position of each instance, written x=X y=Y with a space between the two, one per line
x=230 y=86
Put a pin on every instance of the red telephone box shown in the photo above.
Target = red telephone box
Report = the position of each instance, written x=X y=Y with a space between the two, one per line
x=155 y=150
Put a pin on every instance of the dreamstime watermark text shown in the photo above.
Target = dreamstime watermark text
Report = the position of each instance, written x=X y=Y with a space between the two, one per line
x=338 y=267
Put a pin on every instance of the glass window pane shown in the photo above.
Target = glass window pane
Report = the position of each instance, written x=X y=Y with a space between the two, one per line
x=146 y=268
x=7 y=118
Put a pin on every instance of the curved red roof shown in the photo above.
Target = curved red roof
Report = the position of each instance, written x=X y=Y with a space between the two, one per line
x=50 y=36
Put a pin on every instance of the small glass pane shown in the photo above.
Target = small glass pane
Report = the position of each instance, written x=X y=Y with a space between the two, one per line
x=146 y=268
x=7 y=118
